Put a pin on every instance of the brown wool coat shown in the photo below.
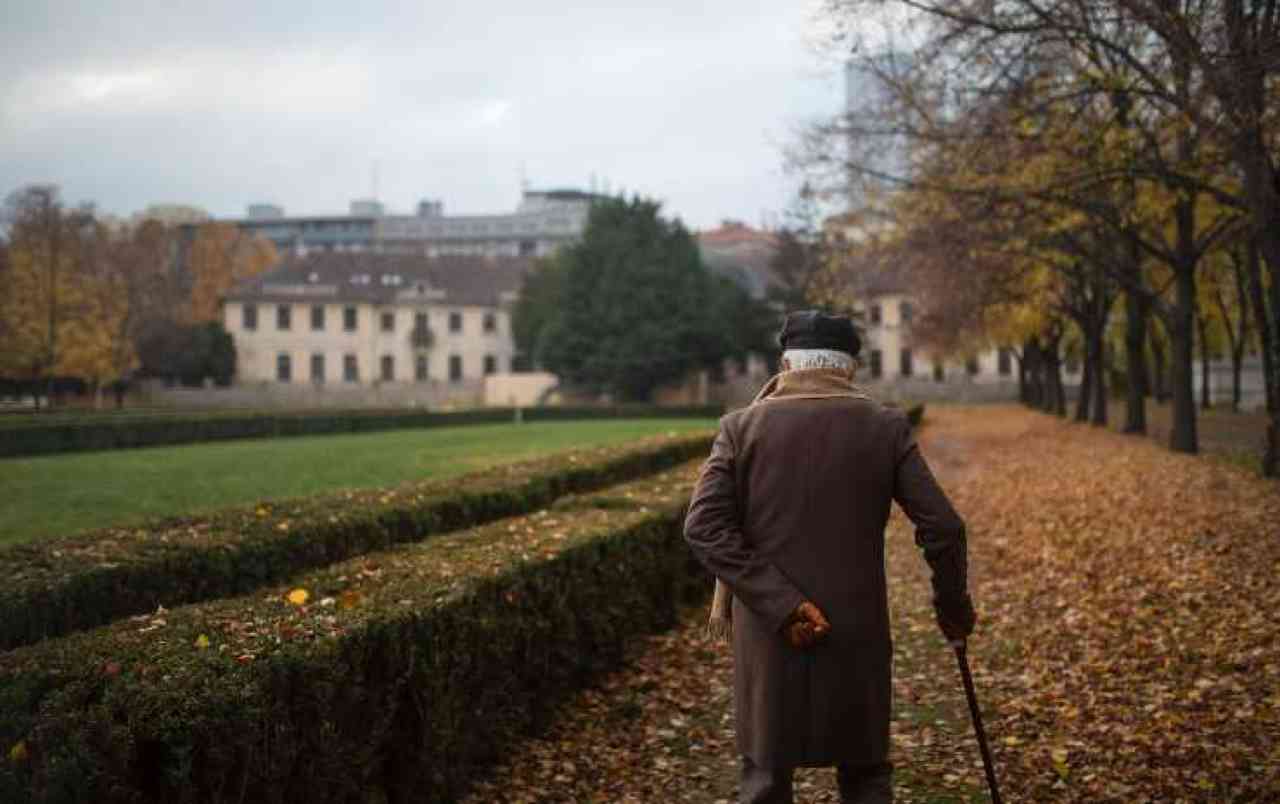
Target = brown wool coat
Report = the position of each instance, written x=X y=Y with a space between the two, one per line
x=792 y=505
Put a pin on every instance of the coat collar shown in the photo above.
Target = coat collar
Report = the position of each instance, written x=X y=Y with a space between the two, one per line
x=820 y=383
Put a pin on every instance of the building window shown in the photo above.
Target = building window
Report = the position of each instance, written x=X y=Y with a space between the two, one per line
x=388 y=322
x=875 y=364
x=455 y=368
x=875 y=314
x=490 y=364
x=490 y=322
x=350 y=368
x=971 y=366
x=455 y=322
x=938 y=374
x=317 y=369
x=904 y=312
x=420 y=369
x=349 y=319
x=1004 y=364
x=420 y=322
x=528 y=248
x=249 y=316
x=284 y=367
x=317 y=318
x=388 y=368
x=284 y=316
x=906 y=367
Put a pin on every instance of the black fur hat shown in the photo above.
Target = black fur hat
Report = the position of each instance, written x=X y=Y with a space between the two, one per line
x=814 y=329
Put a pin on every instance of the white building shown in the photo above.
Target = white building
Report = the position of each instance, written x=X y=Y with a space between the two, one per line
x=418 y=330
x=903 y=369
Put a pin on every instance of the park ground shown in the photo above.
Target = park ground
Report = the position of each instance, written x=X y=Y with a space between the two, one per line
x=55 y=495
x=1126 y=649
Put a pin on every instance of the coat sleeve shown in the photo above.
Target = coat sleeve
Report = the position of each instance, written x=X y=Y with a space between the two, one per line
x=713 y=529
x=940 y=532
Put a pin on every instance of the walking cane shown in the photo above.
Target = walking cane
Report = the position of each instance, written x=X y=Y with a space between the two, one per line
x=963 y=659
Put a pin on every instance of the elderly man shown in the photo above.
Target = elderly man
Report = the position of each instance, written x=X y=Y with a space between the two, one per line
x=789 y=513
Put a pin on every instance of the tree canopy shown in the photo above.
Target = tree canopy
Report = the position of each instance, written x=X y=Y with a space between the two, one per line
x=632 y=306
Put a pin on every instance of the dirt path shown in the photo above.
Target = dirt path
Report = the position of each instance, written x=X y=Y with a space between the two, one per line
x=1127 y=650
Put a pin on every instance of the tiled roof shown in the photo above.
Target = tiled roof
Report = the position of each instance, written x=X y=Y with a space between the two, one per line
x=381 y=278
x=741 y=253
x=735 y=233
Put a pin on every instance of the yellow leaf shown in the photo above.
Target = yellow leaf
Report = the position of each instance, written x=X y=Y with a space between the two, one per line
x=298 y=596
x=283 y=527
x=202 y=642
x=19 y=752
x=261 y=512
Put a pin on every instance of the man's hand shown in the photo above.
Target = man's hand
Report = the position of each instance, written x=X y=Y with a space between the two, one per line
x=956 y=618
x=806 y=626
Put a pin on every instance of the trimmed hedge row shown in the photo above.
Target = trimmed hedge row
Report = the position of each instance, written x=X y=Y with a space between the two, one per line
x=398 y=677
x=55 y=587
x=35 y=437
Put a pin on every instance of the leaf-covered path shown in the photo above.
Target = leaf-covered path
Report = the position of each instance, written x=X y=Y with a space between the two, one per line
x=1127 y=649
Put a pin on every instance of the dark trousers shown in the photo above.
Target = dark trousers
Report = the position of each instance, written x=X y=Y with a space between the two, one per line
x=859 y=784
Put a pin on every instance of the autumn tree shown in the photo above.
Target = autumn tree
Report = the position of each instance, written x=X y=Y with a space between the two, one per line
x=1196 y=85
x=45 y=298
x=221 y=256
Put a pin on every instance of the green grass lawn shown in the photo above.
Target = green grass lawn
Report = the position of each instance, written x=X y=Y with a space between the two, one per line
x=61 y=494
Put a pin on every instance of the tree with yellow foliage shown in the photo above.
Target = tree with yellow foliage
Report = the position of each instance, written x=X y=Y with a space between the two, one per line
x=43 y=295
x=222 y=256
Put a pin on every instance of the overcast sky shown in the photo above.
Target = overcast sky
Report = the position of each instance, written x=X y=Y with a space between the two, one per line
x=219 y=104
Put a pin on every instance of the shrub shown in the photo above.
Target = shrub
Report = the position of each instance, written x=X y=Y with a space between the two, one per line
x=400 y=676
x=55 y=587
x=54 y=433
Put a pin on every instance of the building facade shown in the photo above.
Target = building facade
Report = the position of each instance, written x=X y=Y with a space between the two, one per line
x=903 y=369
x=541 y=223
x=424 y=328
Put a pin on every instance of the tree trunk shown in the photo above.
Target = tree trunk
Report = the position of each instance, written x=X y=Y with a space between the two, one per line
x=1262 y=188
x=1059 y=392
x=1258 y=300
x=1135 y=337
x=1237 y=366
x=1206 y=400
x=1099 y=417
x=1034 y=359
x=1182 y=436
x=1086 y=390
x=1271 y=455
x=1022 y=374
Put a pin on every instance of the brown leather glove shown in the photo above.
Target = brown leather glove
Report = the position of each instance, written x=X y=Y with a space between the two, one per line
x=956 y=617
x=806 y=627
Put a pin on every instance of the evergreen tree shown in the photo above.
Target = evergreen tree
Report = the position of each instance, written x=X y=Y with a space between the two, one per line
x=629 y=307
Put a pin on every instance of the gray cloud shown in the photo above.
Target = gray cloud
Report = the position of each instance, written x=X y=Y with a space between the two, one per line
x=221 y=104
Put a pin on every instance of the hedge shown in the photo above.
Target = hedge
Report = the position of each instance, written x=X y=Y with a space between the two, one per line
x=54 y=587
x=399 y=677
x=31 y=436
